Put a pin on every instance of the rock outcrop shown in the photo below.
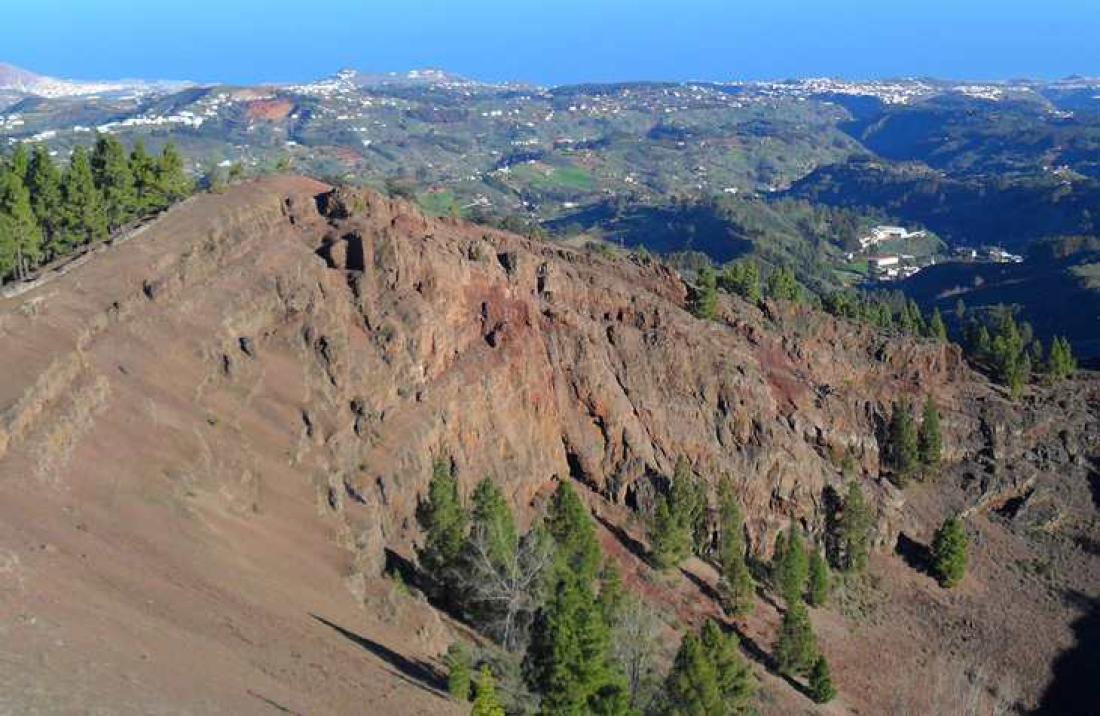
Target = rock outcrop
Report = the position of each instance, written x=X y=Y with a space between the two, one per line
x=285 y=339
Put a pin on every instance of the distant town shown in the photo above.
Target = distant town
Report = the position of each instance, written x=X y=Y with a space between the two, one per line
x=888 y=266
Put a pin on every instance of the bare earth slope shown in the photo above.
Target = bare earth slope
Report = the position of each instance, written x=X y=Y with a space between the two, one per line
x=211 y=434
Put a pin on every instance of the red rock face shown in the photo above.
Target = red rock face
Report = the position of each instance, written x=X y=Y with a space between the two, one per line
x=519 y=359
x=278 y=366
x=269 y=110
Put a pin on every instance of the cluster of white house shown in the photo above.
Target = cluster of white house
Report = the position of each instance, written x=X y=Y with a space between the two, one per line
x=899 y=266
x=993 y=254
x=892 y=268
x=880 y=234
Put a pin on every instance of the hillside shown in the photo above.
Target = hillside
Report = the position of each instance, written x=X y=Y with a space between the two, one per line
x=214 y=436
x=1069 y=287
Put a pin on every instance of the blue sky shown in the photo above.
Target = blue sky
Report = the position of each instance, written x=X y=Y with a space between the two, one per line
x=553 y=41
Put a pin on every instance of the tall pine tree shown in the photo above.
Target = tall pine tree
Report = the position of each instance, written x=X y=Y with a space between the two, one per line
x=172 y=182
x=492 y=518
x=792 y=567
x=143 y=168
x=929 y=439
x=20 y=236
x=936 y=327
x=854 y=525
x=902 y=443
x=111 y=169
x=736 y=683
x=738 y=582
x=571 y=527
x=85 y=219
x=818 y=590
x=569 y=658
x=44 y=184
x=796 y=650
x=444 y=522
x=692 y=685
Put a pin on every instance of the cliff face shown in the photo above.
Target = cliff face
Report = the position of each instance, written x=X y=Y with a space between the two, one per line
x=280 y=364
x=363 y=340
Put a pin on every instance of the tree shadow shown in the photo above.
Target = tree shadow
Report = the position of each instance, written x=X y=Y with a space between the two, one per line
x=417 y=673
x=763 y=657
x=1072 y=689
x=635 y=547
x=410 y=574
x=754 y=650
x=272 y=703
x=914 y=554
x=708 y=591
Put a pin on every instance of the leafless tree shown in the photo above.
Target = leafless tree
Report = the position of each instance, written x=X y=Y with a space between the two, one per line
x=506 y=592
x=636 y=645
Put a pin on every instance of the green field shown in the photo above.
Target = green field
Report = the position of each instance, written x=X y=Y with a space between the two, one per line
x=438 y=203
x=550 y=178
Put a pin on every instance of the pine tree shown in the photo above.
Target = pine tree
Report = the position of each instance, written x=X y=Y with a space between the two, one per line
x=19 y=163
x=486 y=702
x=571 y=527
x=444 y=522
x=44 y=185
x=736 y=683
x=569 y=658
x=822 y=690
x=936 y=327
x=783 y=285
x=680 y=523
x=1061 y=364
x=1009 y=362
x=929 y=440
x=855 y=530
x=669 y=536
x=902 y=443
x=689 y=501
x=917 y=319
x=792 y=568
x=113 y=178
x=739 y=585
x=85 y=220
x=692 y=685
x=611 y=597
x=796 y=650
x=949 y=548
x=172 y=182
x=743 y=279
x=492 y=517
x=143 y=168
x=818 y=591
x=706 y=295
x=457 y=660
x=20 y=237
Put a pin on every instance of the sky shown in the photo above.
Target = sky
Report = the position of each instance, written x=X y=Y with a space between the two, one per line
x=553 y=41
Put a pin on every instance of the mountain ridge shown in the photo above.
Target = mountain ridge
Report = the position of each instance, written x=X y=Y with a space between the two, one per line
x=233 y=416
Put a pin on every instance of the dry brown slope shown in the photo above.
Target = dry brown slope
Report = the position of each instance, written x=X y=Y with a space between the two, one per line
x=162 y=546
x=212 y=432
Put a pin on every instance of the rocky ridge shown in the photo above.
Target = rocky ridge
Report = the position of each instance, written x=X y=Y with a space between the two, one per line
x=285 y=351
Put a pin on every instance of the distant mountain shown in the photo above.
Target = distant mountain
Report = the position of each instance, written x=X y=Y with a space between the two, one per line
x=18 y=80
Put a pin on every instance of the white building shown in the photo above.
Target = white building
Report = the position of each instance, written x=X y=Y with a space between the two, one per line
x=887 y=233
x=884 y=267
